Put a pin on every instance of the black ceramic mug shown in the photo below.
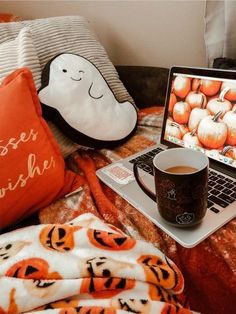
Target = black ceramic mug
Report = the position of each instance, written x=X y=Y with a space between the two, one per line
x=181 y=182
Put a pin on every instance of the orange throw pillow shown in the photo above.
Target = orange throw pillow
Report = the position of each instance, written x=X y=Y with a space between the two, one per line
x=32 y=170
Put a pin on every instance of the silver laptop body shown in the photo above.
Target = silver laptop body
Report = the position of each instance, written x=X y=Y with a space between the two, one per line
x=222 y=175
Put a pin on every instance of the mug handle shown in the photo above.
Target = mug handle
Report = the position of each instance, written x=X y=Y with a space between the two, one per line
x=145 y=189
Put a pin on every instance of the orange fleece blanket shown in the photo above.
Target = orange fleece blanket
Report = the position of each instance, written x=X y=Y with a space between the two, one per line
x=209 y=268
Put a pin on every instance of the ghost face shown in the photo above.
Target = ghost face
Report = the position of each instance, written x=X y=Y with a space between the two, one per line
x=10 y=249
x=81 y=96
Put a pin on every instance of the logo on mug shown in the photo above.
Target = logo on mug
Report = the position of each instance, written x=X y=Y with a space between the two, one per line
x=185 y=218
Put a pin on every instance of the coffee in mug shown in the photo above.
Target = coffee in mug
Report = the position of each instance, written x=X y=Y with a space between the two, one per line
x=181 y=183
x=181 y=169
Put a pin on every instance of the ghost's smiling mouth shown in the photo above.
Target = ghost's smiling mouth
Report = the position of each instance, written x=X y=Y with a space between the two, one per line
x=76 y=79
x=94 y=97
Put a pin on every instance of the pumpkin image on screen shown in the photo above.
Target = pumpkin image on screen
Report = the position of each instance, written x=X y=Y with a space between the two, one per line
x=173 y=129
x=230 y=120
x=231 y=90
x=181 y=86
x=196 y=99
x=219 y=104
x=212 y=132
x=229 y=151
x=181 y=112
x=196 y=115
x=191 y=138
x=207 y=87
x=172 y=102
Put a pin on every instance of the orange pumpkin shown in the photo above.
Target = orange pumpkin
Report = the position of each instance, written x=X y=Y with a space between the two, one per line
x=181 y=86
x=230 y=120
x=172 y=102
x=219 y=104
x=158 y=272
x=105 y=287
x=207 y=87
x=191 y=138
x=110 y=241
x=32 y=268
x=58 y=237
x=196 y=115
x=212 y=132
x=181 y=112
x=88 y=310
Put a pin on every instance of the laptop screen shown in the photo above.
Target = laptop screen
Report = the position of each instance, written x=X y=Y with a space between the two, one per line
x=200 y=112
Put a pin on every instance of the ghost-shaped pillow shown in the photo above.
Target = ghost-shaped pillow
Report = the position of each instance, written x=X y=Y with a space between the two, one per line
x=77 y=99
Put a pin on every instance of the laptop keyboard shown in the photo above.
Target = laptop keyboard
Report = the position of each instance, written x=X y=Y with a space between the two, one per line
x=221 y=189
x=147 y=156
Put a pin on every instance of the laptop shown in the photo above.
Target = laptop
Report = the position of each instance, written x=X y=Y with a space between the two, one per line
x=201 y=89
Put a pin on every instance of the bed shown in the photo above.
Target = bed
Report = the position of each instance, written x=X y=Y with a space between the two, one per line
x=208 y=269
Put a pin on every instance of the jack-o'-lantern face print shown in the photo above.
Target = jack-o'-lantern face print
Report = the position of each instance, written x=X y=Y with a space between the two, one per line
x=110 y=241
x=41 y=288
x=9 y=249
x=71 y=302
x=87 y=310
x=156 y=293
x=32 y=268
x=132 y=305
x=58 y=237
x=104 y=267
x=157 y=271
x=104 y=288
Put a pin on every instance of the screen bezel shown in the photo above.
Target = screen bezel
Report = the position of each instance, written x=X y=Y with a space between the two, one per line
x=208 y=72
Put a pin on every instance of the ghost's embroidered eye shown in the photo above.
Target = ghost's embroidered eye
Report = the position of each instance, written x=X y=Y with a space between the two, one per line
x=64 y=70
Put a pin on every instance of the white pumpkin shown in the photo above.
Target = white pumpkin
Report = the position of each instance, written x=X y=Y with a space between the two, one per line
x=191 y=138
x=196 y=99
x=229 y=151
x=230 y=120
x=212 y=132
x=231 y=93
x=173 y=129
x=181 y=86
x=196 y=115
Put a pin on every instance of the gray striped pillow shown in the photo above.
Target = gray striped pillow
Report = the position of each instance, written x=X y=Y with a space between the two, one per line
x=17 y=53
x=72 y=34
